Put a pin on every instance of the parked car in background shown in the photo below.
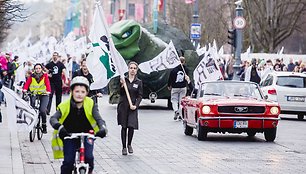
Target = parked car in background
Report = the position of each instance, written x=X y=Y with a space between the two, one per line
x=230 y=106
x=288 y=89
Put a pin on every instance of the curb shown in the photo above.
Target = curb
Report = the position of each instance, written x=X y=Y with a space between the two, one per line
x=16 y=154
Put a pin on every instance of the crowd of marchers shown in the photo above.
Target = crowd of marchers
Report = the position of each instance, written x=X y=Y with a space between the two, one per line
x=261 y=67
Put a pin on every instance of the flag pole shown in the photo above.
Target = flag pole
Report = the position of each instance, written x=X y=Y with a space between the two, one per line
x=115 y=60
x=127 y=93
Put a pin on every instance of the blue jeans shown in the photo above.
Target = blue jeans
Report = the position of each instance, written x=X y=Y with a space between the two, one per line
x=70 y=148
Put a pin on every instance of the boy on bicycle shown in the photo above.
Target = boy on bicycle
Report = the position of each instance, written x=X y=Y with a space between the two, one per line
x=76 y=115
x=38 y=84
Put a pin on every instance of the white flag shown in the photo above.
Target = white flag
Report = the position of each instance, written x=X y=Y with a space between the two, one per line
x=21 y=116
x=207 y=69
x=167 y=59
x=221 y=51
x=104 y=62
x=201 y=51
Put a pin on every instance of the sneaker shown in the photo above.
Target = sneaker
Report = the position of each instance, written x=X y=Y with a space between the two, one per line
x=176 y=114
x=44 y=128
x=130 y=149
x=124 y=151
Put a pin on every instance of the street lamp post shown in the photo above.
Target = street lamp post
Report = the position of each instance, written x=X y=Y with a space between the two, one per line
x=126 y=9
x=239 y=36
x=114 y=10
x=155 y=16
x=195 y=17
x=145 y=11
x=165 y=10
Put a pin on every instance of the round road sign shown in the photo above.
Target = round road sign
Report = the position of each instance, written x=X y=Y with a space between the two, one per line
x=239 y=22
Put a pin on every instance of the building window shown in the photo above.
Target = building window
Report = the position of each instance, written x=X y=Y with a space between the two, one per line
x=131 y=9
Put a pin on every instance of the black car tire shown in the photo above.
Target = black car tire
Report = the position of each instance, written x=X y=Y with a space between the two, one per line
x=251 y=133
x=188 y=129
x=270 y=134
x=202 y=132
x=300 y=116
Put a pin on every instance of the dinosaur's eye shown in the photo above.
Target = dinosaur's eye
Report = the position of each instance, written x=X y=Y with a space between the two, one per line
x=126 y=34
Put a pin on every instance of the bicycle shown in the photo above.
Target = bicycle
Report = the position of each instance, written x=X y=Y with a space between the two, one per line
x=37 y=129
x=95 y=97
x=80 y=167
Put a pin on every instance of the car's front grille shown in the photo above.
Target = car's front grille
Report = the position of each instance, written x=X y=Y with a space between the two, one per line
x=241 y=109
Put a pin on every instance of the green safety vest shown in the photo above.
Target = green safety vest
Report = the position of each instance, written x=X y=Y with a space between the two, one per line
x=38 y=88
x=16 y=65
x=64 y=108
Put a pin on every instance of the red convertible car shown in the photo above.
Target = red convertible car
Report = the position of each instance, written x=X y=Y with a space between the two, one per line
x=230 y=106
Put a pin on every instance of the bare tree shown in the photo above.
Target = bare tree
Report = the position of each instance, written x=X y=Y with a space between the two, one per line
x=273 y=21
x=213 y=15
x=10 y=12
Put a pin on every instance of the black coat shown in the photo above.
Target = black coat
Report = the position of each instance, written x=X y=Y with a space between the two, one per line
x=127 y=117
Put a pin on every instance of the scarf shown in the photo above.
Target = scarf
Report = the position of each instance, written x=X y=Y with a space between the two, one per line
x=37 y=76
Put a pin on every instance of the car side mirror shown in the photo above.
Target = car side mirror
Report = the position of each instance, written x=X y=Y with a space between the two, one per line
x=266 y=97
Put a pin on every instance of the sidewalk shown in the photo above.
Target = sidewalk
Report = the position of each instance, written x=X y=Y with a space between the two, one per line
x=10 y=158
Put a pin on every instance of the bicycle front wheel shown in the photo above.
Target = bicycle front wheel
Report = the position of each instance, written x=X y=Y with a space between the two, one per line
x=32 y=134
x=82 y=171
x=39 y=133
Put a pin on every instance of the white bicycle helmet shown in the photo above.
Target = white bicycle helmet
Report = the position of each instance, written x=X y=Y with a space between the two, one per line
x=79 y=80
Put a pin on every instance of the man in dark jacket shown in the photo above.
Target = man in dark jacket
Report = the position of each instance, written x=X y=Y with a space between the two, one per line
x=177 y=83
x=85 y=73
x=291 y=65
x=55 y=70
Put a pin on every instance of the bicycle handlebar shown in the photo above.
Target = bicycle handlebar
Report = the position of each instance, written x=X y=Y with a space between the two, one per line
x=95 y=95
x=32 y=94
x=78 y=135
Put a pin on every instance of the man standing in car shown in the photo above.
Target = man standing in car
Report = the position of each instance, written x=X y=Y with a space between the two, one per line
x=55 y=70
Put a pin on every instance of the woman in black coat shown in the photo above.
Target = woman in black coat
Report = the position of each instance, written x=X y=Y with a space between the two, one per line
x=128 y=115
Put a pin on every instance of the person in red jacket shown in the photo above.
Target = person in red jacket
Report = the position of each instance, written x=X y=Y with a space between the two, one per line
x=39 y=85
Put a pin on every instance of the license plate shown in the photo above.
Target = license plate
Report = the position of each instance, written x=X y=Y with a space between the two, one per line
x=240 y=124
x=295 y=99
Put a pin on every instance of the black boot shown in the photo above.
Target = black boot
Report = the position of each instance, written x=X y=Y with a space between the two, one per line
x=44 y=128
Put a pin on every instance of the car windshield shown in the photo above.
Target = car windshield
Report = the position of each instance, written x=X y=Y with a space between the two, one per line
x=230 y=89
x=291 y=81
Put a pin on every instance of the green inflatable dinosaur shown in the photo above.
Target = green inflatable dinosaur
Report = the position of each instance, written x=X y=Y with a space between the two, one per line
x=135 y=42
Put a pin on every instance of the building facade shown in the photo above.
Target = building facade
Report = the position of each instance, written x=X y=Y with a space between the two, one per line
x=76 y=15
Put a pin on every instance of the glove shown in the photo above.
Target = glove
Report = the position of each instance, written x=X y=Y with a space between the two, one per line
x=102 y=132
x=57 y=126
x=63 y=133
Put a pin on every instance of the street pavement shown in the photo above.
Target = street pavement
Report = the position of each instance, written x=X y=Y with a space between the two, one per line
x=160 y=146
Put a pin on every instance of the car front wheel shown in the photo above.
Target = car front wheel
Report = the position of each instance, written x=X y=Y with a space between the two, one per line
x=300 y=116
x=270 y=135
x=251 y=133
x=202 y=132
x=188 y=129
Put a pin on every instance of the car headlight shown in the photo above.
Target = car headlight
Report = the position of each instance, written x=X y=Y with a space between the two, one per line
x=206 y=109
x=274 y=110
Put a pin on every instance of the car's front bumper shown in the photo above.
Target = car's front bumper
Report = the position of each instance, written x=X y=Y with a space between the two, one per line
x=226 y=122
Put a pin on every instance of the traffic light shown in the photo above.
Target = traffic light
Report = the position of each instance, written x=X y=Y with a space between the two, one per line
x=232 y=37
